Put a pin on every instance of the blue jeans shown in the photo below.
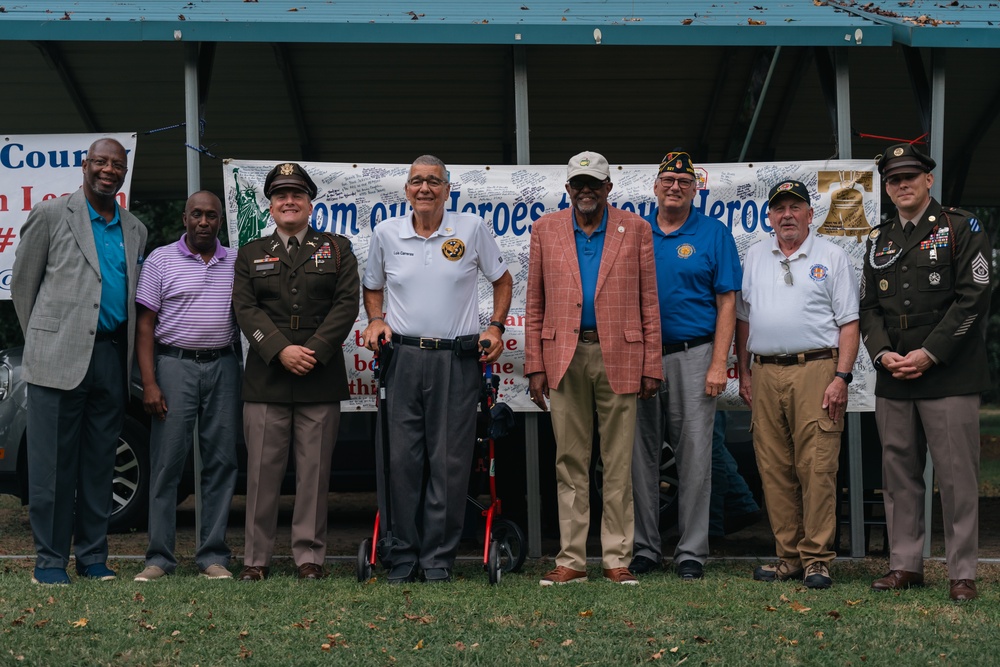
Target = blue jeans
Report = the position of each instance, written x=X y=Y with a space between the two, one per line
x=730 y=493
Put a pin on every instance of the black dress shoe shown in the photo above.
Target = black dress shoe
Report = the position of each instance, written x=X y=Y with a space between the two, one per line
x=643 y=565
x=437 y=575
x=963 y=590
x=311 y=571
x=403 y=573
x=895 y=580
x=689 y=570
x=254 y=573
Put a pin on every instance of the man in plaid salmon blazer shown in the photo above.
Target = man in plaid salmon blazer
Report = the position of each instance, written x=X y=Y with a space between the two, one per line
x=592 y=339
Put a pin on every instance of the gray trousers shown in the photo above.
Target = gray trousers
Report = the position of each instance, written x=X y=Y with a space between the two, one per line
x=210 y=393
x=948 y=428
x=684 y=414
x=431 y=402
x=72 y=440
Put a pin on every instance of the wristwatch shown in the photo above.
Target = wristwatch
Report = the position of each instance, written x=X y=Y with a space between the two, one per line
x=500 y=326
x=846 y=377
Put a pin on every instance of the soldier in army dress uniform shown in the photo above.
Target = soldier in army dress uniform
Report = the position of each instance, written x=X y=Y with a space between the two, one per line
x=925 y=297
x=296 y=297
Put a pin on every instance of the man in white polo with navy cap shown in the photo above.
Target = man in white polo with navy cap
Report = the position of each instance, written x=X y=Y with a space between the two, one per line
x=798 y=316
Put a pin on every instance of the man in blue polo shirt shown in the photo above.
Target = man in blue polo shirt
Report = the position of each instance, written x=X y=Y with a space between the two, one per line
x=697 y=276
x=73 y=287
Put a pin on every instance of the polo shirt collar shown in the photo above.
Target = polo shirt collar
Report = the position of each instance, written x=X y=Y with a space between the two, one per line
x=97 y=217
x=686 y=229
x=182 y=246
x=804 y=250
x=406 y=231
x=600 y=228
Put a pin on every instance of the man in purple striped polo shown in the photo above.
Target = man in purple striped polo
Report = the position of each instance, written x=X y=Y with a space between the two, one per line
x=185 y=346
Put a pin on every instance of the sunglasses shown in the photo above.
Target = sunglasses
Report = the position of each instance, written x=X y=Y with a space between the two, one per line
x=582 y=182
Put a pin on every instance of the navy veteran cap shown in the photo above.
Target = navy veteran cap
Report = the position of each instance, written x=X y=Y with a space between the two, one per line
x=678 y=162
x=289 y=175
x=795 y=188
x=903 y=159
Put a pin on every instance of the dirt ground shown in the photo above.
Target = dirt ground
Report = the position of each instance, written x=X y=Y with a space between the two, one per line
x=351 y=516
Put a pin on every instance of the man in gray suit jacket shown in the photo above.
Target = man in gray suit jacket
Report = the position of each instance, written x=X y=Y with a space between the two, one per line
x=73 y=287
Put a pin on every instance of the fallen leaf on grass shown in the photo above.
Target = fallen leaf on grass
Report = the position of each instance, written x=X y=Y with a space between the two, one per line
x=324 y=647
x=42 y=623
x=459 y=645
x=675 y=649
x=799 y=607
x=244 y=653
x=702 y=640
x=82 y=623
x=784 y=598
x=535 y=643
x=658 y=655
x=423 y=620
x=146 y=626
x=819 y=634
x=175 y=633
x=244 y=633
x=18 y=621
x=372 y=626
x=138 y=598
x=566 y=642
x=337 y=640
x=51 y=600
x=420 y=645
x=835 y=615
x=630 y=625
x=854 y=603
x=770 y=608
x=586 y=613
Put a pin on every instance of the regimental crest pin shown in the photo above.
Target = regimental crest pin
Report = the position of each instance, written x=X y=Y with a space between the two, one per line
x=934 y=278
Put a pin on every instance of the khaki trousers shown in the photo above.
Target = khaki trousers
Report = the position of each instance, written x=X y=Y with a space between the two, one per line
x=948 y=428
x=798 y=450
x=584 y=387
x=269 y=429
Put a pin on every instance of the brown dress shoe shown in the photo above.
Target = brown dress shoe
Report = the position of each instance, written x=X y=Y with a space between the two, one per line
x=254 y=573
x=311 y=571
x=896 y=580
x=963 y=590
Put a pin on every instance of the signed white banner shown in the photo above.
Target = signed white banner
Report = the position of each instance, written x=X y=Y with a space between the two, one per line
x=354 y=197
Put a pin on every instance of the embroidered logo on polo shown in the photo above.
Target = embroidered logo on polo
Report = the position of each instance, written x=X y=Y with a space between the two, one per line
x=685 y=250
x=981 y=270
x=818 y=272
x=453 y=249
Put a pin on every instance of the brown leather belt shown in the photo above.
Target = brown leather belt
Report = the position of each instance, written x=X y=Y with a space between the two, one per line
x=589 y=336
x=800 y=358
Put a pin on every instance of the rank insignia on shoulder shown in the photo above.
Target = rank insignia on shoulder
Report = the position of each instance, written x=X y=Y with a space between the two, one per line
x=974 y=224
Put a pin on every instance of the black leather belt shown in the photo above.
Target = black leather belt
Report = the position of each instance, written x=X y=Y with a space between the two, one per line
x=670 y=348
x=800 y=358
x=111 y=336
x=589 y=336
x=199 y=356
x=460 y=343
x=915 y=320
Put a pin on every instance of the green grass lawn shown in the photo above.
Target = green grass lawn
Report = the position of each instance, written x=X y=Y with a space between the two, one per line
x=726 y=619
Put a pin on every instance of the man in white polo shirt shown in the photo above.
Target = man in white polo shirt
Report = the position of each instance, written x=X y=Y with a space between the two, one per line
x=422 y=276
x=798 y=316
x=190 y=371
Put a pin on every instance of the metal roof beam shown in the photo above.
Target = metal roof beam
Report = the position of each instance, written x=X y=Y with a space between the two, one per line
x=920 y=85
x=827 y=81
x=785 y=105
x=52 y=55
x=281 y=55
x=721 y=75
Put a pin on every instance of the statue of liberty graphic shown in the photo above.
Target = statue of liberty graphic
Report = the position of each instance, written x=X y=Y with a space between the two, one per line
x=250 y=219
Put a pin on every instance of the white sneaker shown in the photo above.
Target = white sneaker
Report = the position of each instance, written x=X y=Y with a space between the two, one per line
x=151 y=573
x=216 y=571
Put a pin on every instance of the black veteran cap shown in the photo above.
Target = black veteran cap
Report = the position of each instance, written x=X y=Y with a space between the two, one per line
x=289 y=175
x=678 y=162
x=796 y=188
x=903 y=159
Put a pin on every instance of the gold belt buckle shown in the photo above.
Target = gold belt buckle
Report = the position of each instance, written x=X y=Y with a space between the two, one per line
x=294 y=323
x=902 y=321
x=428 y=343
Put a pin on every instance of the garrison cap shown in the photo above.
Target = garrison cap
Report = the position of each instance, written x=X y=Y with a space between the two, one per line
x=903 y=159
x=588 y=163
x=795 y=188
x=678 y=162
x=289 y=175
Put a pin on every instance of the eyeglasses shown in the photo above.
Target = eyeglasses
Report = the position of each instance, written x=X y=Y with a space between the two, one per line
x=788 y=271
x=101 y=163
x=669 y=182
x=583 y=182
x=431 y=181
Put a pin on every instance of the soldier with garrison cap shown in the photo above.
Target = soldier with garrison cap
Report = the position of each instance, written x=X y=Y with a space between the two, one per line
x=296 y=297
x=925 y=297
